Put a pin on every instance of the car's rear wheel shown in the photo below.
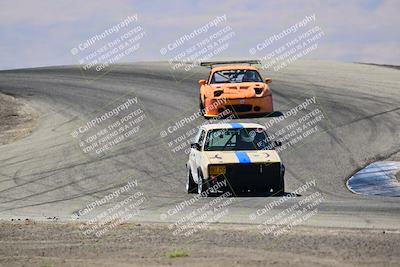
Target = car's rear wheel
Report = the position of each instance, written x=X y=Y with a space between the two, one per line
x=190 y=184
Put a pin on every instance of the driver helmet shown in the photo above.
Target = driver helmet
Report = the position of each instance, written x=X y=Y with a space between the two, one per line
x=246 y=135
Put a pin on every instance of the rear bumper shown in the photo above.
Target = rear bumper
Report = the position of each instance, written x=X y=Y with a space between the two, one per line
x=241 y=106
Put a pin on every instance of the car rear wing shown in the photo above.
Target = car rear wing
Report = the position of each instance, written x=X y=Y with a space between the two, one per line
x=212 y=63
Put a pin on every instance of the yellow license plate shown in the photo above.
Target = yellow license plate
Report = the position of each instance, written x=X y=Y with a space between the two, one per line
x=217 y=170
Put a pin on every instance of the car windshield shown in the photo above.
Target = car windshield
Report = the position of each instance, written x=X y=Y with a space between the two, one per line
x=237 y=139
x=236 y=76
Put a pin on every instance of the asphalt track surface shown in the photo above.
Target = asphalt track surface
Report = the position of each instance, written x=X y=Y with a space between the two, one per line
x=46 y=175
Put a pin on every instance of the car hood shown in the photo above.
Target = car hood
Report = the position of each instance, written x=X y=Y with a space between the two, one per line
x=247 y=156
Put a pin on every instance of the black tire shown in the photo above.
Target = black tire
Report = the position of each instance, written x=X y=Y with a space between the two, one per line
x=201 y=105
x=190 y=184
x=202 y=186
x=279 y=188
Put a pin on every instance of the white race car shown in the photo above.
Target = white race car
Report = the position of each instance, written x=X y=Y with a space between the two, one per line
x=239 y=156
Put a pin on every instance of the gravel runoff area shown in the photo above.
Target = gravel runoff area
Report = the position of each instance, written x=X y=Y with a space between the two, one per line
x=396 y=157
x=27 y=243
x=17 y=119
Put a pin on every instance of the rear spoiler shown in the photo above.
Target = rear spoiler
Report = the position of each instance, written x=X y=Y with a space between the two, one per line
x=212 y=63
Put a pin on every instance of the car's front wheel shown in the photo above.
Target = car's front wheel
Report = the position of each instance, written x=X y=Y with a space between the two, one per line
x=202 y=185
x=201 y=104
x=190 y=184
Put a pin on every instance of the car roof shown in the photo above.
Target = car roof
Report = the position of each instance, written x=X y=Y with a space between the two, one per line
x=234 y=125
x=234 y=67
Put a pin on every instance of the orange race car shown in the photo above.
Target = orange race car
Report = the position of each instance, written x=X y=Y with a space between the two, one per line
x=235 y=88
